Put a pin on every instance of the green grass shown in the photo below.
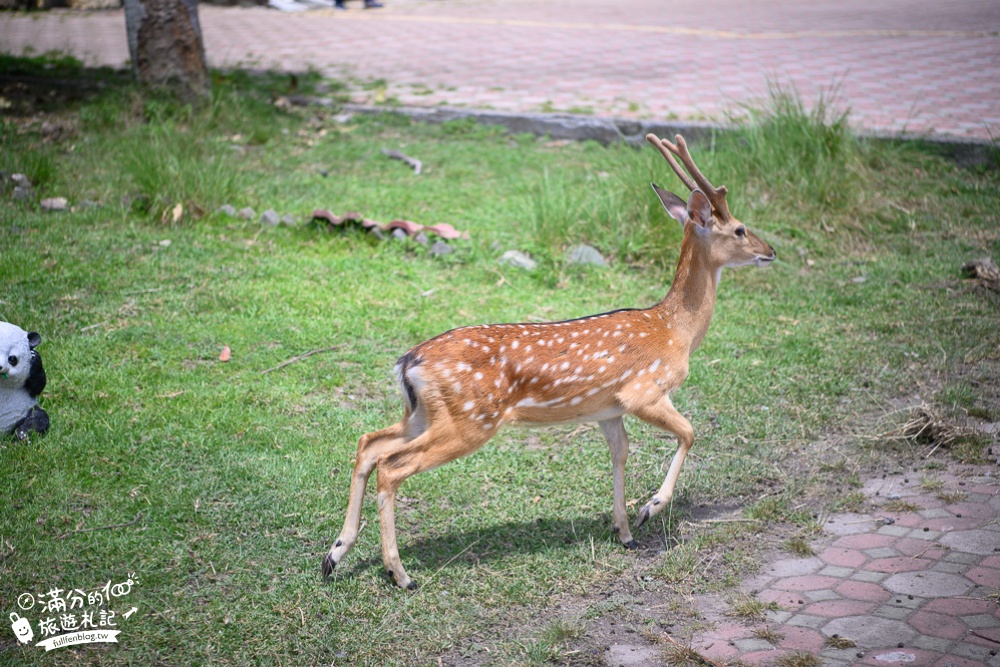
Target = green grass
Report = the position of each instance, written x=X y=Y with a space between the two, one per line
x=239 y=479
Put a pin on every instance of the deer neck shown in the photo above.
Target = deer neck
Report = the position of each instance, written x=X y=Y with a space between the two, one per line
x=690 y=302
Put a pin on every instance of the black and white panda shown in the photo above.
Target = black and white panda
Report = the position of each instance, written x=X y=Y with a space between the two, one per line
x=22 y=379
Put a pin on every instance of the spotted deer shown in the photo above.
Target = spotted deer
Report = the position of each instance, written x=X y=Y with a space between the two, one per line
x=462 y=386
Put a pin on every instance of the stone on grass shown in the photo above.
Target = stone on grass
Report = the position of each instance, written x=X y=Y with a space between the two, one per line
x=585 y=254
x=518 y=259
x=270 y=217
x=399 y=234
x=54 y=204
x=421 y=238
x=441 y=248
x=227 y=209
x=21 y=193
x=288 y=219
x=247 y=213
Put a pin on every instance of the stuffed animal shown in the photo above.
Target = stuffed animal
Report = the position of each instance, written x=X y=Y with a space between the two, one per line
x=22 y=379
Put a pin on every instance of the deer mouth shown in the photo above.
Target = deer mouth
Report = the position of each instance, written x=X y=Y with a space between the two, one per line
x=762 y=260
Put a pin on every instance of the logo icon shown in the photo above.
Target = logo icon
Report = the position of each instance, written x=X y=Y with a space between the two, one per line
x=21 y=627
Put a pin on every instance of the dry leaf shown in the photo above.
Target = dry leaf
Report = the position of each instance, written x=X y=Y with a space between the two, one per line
x=177 y=212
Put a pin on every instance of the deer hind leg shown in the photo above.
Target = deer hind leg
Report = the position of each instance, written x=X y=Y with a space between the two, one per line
x=370 y=446
x=614 y=433
x=436 y=446
x=664 y=415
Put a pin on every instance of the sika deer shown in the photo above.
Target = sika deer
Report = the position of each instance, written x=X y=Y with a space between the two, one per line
x=463 y=385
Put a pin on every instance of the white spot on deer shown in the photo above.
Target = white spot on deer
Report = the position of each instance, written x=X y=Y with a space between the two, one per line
x=576 y=400
x=485 y=348
x=457 y=387
x=478 y=375
x=670 y=342
x=513 y=345
x=564 y=366
x=575 y=334
x=496 y=383
x=545 y=366
x=467 y=341
x=579 y=369
x=643 y=334
x=446 y=373
x=462 y=366
x=628 y=371
x=560 y=339
x=642 y=371
x=487 y=426
x=503 y=348
x=527 y=348
x=654 y=366
x=541 y=342
x=602 y=369
x=593 y=391
x=529 y=360
x=468 y=406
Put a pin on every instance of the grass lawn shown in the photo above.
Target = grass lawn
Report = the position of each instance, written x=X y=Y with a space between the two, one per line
x=219 y=487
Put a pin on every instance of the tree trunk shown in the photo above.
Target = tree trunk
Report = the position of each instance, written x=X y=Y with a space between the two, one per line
x=164 y=40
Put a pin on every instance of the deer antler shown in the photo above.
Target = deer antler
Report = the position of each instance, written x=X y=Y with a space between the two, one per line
x=716 y=195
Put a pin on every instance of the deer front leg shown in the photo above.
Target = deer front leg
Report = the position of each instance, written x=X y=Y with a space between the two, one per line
x=614 y=433
x=664 y=415
x=369 y=447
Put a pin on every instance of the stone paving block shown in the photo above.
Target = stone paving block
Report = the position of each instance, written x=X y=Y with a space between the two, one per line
x=802 y=639
x=992 y=561
x=954 y=661
x=839 y=608
x=811 y=582
x=778 y=617
x=898 y=564
x=894 y=531
x=884 y=552
x=962 y=557
x=924 y=534
x=762 y=657
x=870 y=632
x=928 y=584
x=910 y=657
x=820 y=595
x=864 y=541
x=793 y=567
x=936 y=513
x=849 y=523
x=784 y=599
x=953 y=568
x=984 y=621
x=840 y=557
x=839 y=572
x=893 y=611
x=865 y=575
x=954 y=606
x=806 y=621
x=861 y=590
x=984 y=576
x=911 y=547
x=932 y=643
x=753 y=644
x=936 y=625
x=967 y=650
x=972 y=541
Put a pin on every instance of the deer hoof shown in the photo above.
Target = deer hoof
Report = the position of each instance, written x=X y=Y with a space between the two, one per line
x=328 y=565
x=631 y=545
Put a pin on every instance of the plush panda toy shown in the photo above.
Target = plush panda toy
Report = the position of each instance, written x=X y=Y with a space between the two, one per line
x=21 y=381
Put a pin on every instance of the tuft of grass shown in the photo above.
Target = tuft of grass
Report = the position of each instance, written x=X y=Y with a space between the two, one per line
x=799 y=546
x=931 y=484
x=839 y=642
x=900 y=505
x=768 y=635
x=797 y=659
x=749 y=608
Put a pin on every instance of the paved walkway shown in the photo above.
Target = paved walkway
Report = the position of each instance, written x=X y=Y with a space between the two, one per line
x=917 y=586
x=920 y=66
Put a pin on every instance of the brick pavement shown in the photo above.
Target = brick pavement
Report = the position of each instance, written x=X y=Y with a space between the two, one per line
x=915 y=586
x=900 y=65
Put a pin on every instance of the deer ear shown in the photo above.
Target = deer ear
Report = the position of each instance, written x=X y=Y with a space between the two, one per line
x=675 y=205
x=699 y=209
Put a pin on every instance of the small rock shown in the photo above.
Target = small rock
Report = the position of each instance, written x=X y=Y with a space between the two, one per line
x=165 y=243
x=585 y=254
x=54 y=204
x=21 y=180
x=288 y=219
x=399 y=234
x=858 y=280
x=21 y=193
x=519 y=259
x=247 y=213
x=227 y=209
x=441 y=248
x=421 y=238
x=270 y=217
x=377 y=233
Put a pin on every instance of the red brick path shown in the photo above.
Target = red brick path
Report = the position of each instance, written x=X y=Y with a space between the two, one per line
x=899 y=65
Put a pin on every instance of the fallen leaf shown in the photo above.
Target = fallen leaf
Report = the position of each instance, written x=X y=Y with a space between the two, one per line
x=226 y=354
x=177 y=212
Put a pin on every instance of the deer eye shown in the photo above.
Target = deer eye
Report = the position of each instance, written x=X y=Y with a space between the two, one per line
x=741 y=232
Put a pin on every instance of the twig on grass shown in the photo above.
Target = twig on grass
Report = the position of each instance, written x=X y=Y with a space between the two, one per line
x=94 y=326
x=301 y=357
x=138 y=515
x=413 y=162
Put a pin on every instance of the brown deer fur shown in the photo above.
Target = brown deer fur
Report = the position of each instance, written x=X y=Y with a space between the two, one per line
x=461 y=387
